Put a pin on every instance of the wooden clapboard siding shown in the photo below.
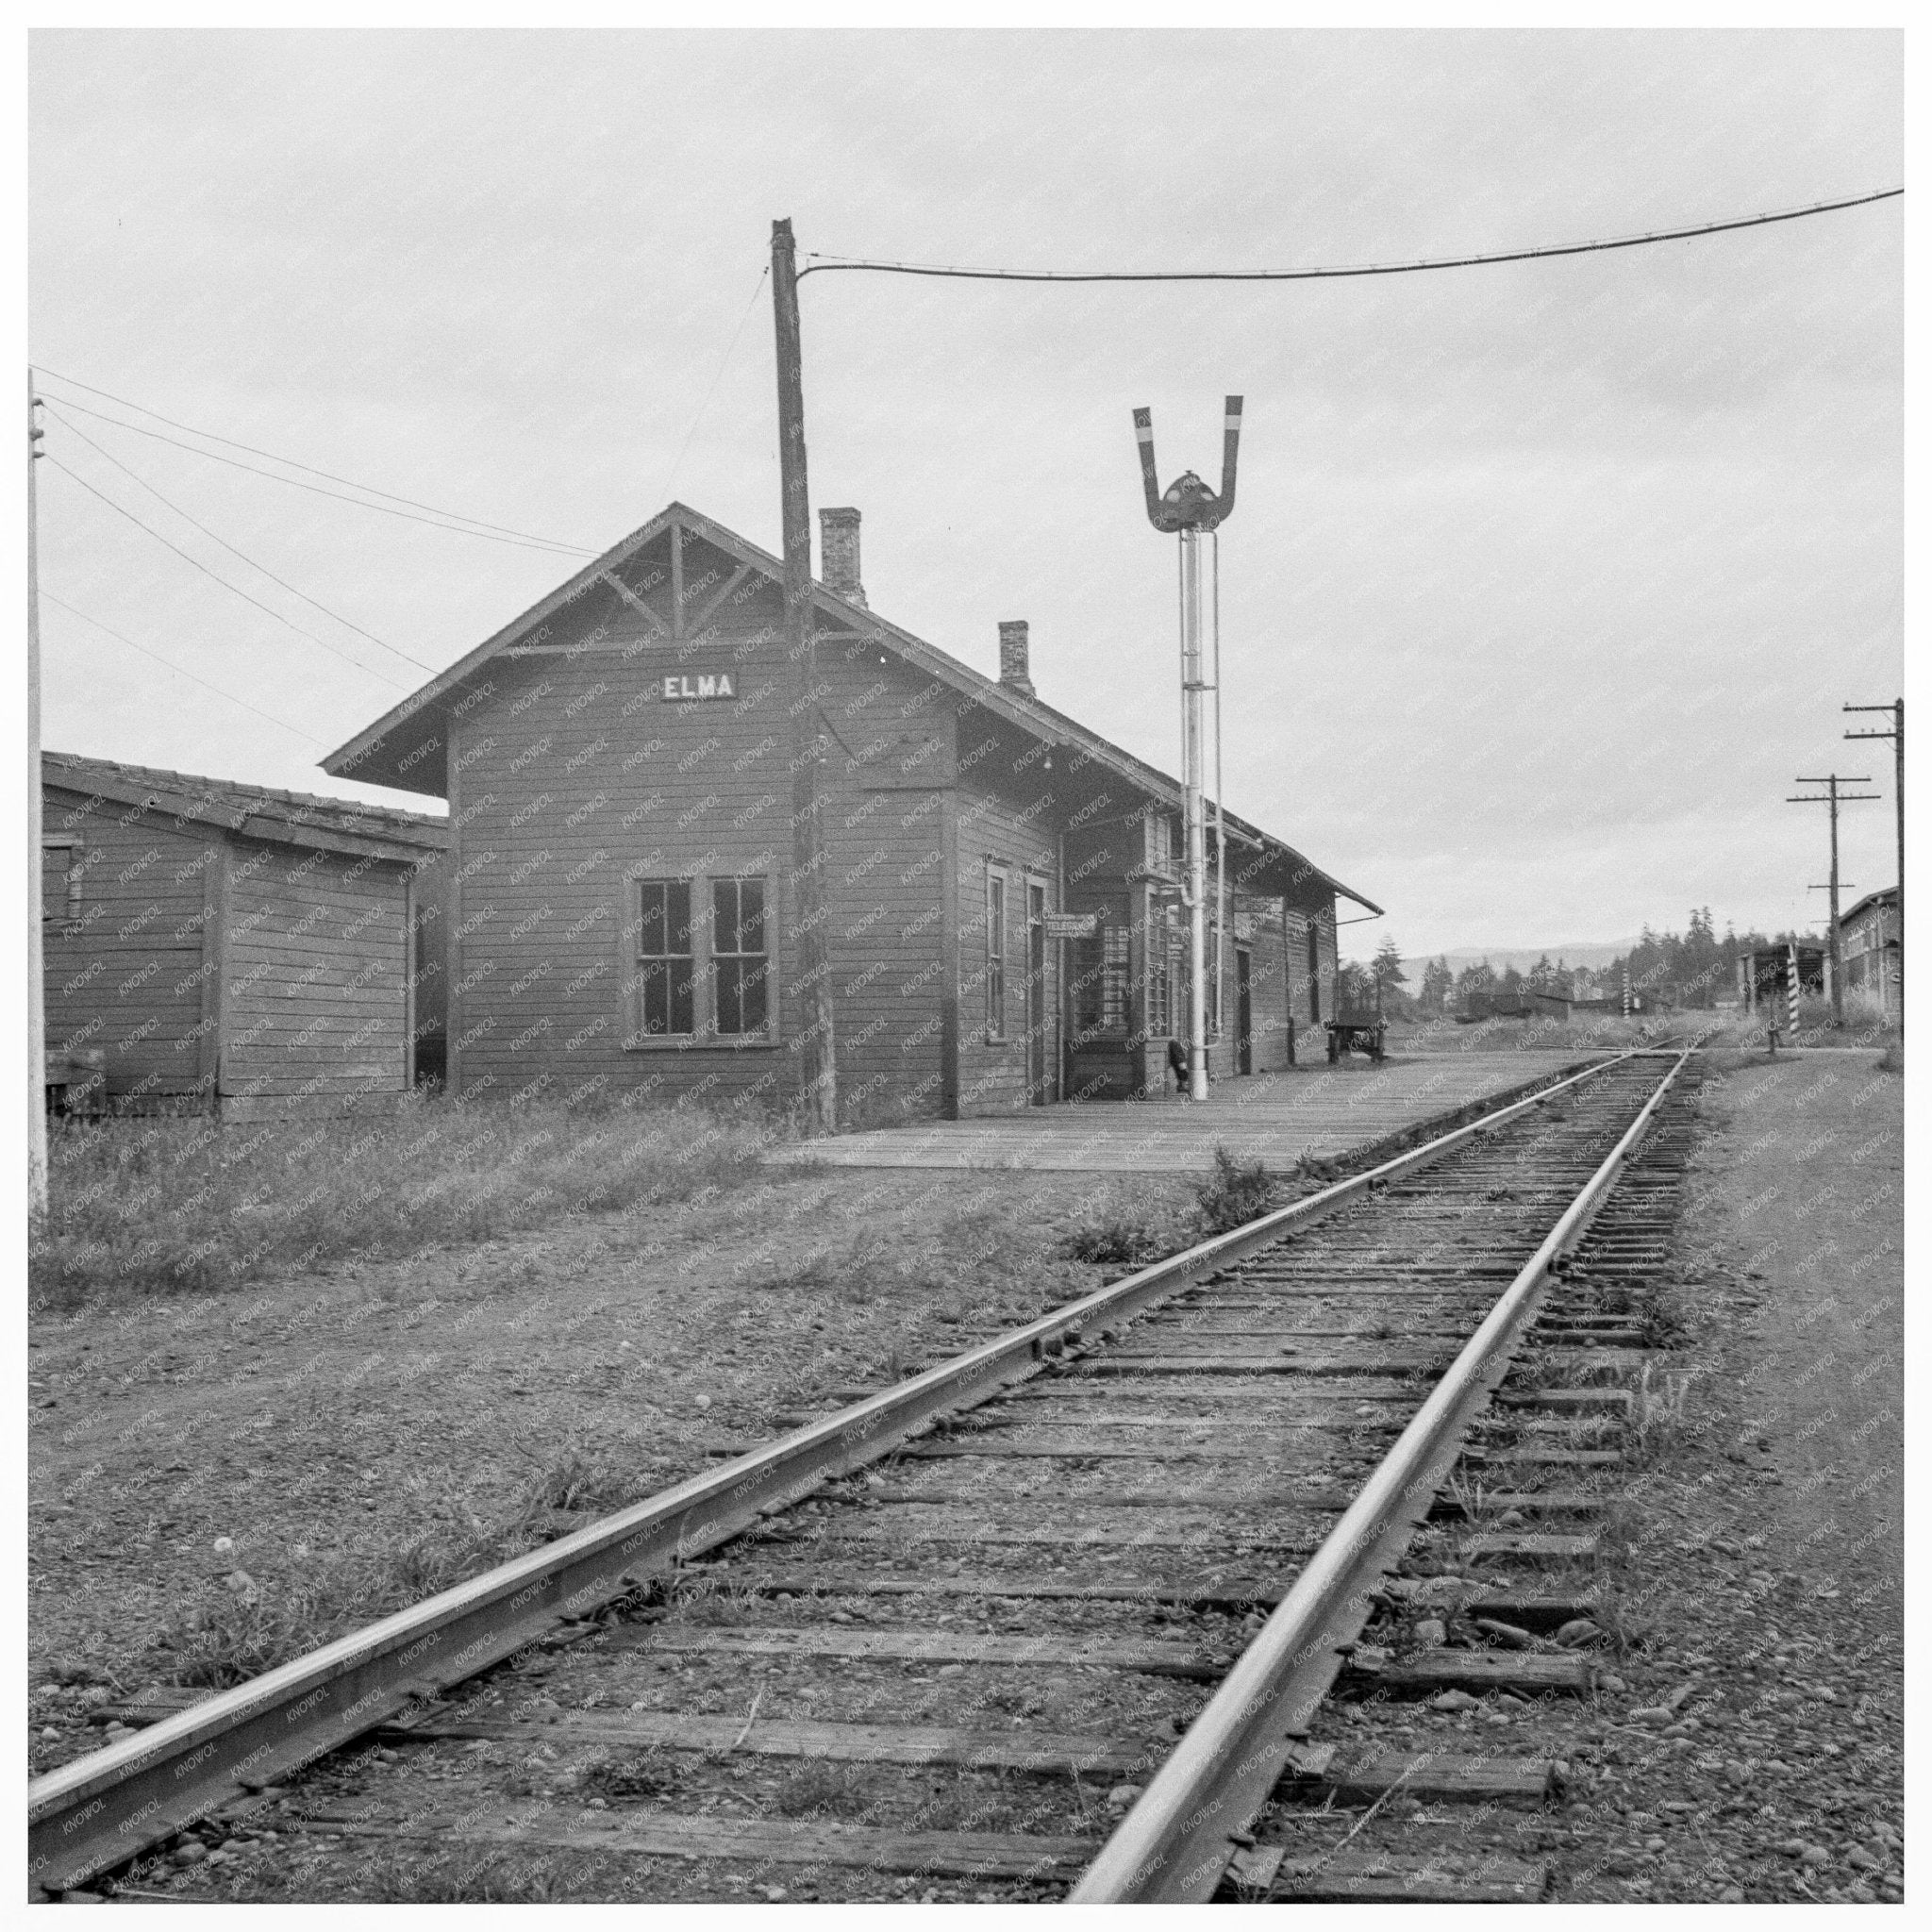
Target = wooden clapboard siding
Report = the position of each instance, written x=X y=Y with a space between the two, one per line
x=573 y=777
x=126 y=974
x=313 y=997
x=1008 y=818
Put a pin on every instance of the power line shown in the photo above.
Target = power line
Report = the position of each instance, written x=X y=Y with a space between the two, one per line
x=268 y=609
x=832 y=264
x=179 y=672
x=723 y=364
x=250 y=561
x=502 y=531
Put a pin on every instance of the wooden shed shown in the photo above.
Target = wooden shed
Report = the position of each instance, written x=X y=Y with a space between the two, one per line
x=1002 y=887
x=224 y=947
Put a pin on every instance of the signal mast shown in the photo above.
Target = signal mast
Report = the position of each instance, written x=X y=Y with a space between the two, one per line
x=1189 y=507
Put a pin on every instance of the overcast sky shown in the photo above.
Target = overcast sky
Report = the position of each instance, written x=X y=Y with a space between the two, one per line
x=1545 y=580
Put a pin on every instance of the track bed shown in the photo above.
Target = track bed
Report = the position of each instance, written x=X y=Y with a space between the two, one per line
x=951 y=1673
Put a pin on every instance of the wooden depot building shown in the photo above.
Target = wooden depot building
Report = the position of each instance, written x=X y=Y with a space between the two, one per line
x=1001 y=885
x=219 y=947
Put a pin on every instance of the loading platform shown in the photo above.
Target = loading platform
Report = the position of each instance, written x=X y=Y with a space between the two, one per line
x=1277 y=1119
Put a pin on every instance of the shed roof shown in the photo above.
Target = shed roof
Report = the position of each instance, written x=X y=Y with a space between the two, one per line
x=256 y=811
x=407 y=744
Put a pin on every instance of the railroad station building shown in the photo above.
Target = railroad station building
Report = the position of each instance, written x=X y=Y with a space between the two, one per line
x=1867 y=947
x=1002 y=886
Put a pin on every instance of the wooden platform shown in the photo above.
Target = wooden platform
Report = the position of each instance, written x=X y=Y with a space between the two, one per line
x=1273 y=1118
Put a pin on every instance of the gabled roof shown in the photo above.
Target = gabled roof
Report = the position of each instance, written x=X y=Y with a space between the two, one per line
x=448 y=688
x=1886 y=896
x=254 y=811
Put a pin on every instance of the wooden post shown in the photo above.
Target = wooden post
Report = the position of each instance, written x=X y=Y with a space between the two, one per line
x=36 y=966
x=818 y=1065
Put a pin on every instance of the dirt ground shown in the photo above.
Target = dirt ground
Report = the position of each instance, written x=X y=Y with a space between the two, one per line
x=1765 y=1566
x=323 y=1424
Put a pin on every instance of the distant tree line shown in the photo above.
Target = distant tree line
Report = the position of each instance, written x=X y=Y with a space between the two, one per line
x=1667 y=969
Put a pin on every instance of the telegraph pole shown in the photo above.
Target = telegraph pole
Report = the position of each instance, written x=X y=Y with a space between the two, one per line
x=818 y=1071
x=36 y=967
x=1834 y=798
x=1898 y=735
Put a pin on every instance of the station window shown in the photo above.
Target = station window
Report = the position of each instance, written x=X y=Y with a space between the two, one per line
x=1160 y=842
x=740 y=967
x=1100 y=982
x=995 y=955
x=665 y=964
x=1161 y=976
x=64 y=866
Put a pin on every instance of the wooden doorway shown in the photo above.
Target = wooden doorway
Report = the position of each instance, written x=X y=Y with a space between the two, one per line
x=1244 y=1011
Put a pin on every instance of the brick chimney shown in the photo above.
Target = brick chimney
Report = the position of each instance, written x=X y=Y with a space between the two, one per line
x=838 y=554
x=1013 y=673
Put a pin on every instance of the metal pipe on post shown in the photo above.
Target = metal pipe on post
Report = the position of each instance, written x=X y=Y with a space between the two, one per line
x=818 y=1075
x=36 y=965
x=1193 y=816
x=1221 y=1031
x=1190 y=508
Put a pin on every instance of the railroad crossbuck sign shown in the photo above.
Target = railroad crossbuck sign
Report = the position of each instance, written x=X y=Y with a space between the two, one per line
x=681 y=688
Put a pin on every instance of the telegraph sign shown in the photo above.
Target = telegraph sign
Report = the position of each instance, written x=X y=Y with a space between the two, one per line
x=1072 y=925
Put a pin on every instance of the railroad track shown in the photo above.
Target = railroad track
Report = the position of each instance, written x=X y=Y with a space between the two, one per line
x=1074 y=1615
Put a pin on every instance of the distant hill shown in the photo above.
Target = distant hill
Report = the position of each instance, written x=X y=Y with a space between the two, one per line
x=1584 y=953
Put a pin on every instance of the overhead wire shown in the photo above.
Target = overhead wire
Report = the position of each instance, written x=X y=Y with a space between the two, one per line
x=833 y=264
x=724 y=363
x=180 y=670
x=483 y=527
x=316 y=489
x=214 y=538
x=121 y=510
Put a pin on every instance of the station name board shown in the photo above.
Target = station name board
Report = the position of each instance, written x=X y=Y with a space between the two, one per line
x=682 y=688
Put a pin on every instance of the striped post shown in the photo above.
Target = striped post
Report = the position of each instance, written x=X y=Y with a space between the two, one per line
x=1626 y=993
x=1792 y=987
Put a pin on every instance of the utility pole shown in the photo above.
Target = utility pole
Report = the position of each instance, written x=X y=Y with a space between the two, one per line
x=1834 y=798
x=1190 y=508
x=1898 y=735
x=818 y=1072
x=36 y=967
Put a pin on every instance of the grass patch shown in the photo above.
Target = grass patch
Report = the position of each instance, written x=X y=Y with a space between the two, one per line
x=1233 y=1194
x=193 y=1205
x=238 y=1633
x=1237 y=1192
x=242 y=1628
x=1118 y=1241
x=1659 y=1404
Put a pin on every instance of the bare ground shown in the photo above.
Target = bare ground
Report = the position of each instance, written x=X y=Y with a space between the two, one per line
x=1764 y=1558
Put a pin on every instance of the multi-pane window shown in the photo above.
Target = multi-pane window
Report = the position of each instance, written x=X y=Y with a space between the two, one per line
x=1100 y=982
x=1160 y=842
x=664 y=957
x=1161 y=939
x=995 y=955
x=739 y=964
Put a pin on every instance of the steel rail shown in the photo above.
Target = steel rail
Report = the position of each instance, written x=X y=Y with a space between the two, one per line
x=88 y=1817
x=1174 y=1844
